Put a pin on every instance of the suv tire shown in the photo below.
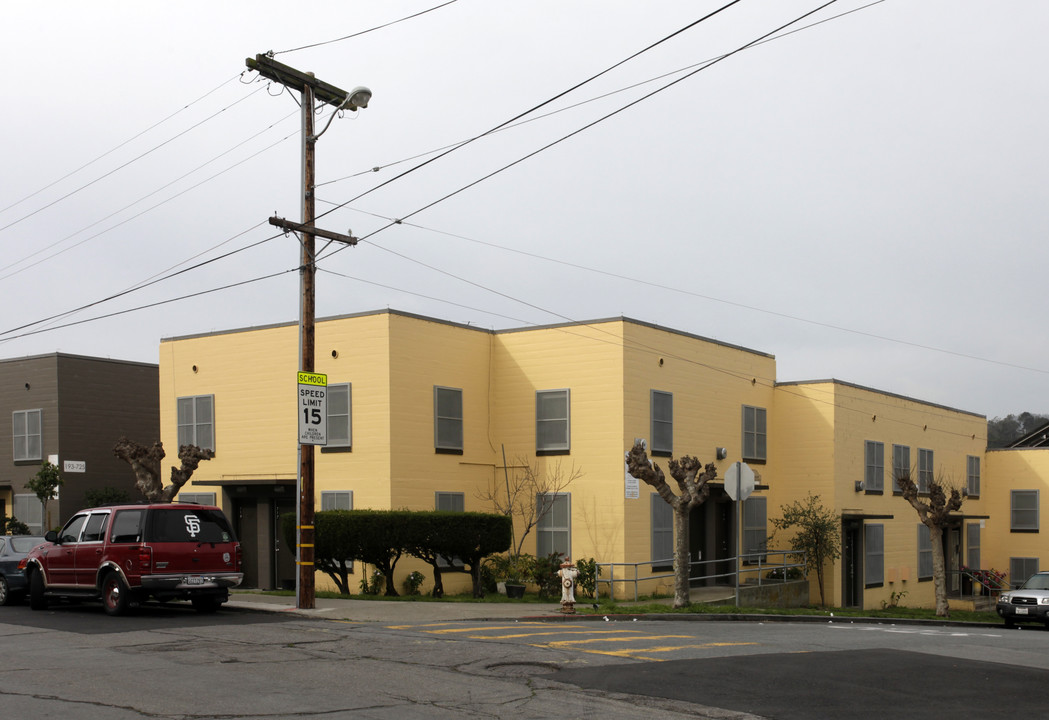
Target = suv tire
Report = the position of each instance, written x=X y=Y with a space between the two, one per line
x=37 y=599
x=116 y=597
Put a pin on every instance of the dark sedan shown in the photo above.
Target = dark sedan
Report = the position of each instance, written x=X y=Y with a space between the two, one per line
x=12 y=580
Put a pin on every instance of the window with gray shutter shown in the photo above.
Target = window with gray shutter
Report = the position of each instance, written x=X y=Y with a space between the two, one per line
x=448 y=419
x=874 y=475
x=755 y=436
x=552 y=421
x=340 y=419
x=873 y=555
x=1024 y=511
x=662 y=545
x=662 y=404
x=924 y=552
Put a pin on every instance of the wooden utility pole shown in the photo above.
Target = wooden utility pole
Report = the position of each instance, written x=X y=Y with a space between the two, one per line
x=310 y=88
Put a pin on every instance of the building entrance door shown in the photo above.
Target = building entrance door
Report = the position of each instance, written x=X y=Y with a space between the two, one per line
x=852 y=563
x=283 y=551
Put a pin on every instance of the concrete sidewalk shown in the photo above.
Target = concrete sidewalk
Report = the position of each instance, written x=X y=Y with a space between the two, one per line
x=395 y=611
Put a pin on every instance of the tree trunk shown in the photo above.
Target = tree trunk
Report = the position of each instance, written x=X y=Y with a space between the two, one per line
x=681 y=555
x=939 y=570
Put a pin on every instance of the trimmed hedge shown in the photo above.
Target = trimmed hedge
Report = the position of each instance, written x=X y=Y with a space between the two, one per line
x=381 y=537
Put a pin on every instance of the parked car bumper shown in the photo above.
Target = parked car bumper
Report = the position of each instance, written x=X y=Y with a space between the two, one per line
x=1022 y=613
x=191 y=583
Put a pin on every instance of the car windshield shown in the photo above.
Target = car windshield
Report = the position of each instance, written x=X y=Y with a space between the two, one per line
x=1037 y=582
x=24 y=543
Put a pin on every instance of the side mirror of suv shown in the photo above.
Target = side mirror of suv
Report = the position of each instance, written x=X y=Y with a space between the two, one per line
x=51 y=536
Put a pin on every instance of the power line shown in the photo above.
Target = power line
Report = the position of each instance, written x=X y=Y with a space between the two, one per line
x=365 y=32
x=129 y=162
x=149 y=281
x=152 y=305
x=537 y=107
x=117 y=147
x=593 y=99
x=144 y=197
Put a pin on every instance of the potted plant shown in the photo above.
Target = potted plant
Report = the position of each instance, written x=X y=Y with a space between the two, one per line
x=512 y=571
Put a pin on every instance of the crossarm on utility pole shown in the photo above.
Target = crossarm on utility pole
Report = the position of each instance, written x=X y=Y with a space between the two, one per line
x=311 y=230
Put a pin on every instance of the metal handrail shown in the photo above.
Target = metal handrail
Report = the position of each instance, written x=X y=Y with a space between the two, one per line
x=753 y=564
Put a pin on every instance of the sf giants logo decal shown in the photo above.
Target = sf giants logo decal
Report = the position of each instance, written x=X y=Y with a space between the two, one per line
x=192 y=525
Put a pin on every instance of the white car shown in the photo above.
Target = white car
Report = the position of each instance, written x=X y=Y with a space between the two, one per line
x=1027 y=603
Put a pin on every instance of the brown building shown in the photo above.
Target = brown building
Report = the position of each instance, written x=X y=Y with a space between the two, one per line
x=71 y=409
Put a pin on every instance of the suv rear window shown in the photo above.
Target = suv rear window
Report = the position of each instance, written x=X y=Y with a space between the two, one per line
x=189 y=525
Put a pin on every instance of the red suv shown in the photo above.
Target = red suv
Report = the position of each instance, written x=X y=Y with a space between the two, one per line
x=127 y=553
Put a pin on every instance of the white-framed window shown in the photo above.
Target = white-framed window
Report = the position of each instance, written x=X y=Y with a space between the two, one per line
x=1020 y=569
x=755 y=535
x=901 y=464
x=337 y=500
x=199 y=498
x=28 y=508
x=1023 y=510
x=554 y=529
x=340 y=420
x=552 y=421
x=447 y=419
x=755 y=434
x=662 y=404
x=449 y=501
x=972 y=475
x=972 y=545
x=196 y=421
x=925 y=469
x=662 y=546
x=924 y=552
x=874 y=474
x=873 y=554
x=27 y=435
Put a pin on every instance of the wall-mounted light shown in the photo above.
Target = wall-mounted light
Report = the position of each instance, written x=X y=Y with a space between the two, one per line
x=335 y=353
x=721 y=453
x=27 y=386
x=660 y=362
x=860 y=486
x=194 y=368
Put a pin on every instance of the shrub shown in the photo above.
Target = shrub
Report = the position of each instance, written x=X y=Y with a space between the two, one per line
x=412 y=582
x=586 y=583
x=544 y=573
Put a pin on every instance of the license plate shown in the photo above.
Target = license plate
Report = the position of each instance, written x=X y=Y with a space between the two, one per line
x=198 y=580
x=1021 y=611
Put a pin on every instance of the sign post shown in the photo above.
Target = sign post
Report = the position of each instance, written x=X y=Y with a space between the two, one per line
x=739 y=484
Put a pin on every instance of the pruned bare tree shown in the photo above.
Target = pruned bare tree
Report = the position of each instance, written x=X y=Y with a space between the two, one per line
x=515 y=494
x=934 y=512
x=693 y=481
x=145 y=463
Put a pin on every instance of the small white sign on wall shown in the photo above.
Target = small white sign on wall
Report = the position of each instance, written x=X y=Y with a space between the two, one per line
x=74 y=466
x=633 y=487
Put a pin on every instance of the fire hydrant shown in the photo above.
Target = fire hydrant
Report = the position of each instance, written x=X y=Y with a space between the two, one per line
x=568 y=574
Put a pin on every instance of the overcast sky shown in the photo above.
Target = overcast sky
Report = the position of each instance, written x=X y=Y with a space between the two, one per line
x=864 y=198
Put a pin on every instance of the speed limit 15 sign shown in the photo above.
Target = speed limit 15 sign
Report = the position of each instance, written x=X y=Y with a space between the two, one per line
x=313 y=411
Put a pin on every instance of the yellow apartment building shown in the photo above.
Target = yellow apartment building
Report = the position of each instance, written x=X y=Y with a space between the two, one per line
x=847 y=444
x=425 y=414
